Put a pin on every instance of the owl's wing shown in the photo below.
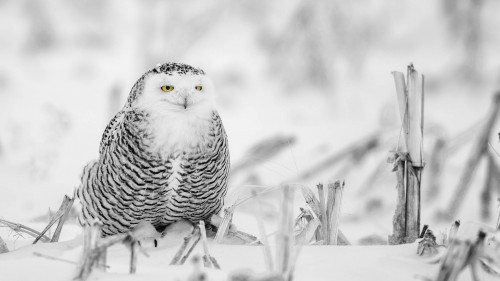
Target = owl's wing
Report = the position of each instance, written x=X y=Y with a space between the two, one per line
x=111 y=132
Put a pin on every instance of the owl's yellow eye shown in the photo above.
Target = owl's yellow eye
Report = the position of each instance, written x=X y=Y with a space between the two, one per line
x=198 y=88
x=167 y=88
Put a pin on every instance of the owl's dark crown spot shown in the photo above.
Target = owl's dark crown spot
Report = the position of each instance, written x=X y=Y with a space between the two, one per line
x=170 y=68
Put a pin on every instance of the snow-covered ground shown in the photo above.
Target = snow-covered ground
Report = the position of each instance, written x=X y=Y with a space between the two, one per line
x=59 y=261
x=66 y=67
x=351 y=263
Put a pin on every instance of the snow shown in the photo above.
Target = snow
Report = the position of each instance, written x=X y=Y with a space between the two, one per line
x=58 y=261
x=314 y=262
x=351 y=263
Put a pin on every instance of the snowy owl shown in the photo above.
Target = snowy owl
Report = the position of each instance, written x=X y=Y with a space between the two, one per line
x=164 y=157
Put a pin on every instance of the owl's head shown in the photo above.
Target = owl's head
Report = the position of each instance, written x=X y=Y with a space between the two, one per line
x=173 y=88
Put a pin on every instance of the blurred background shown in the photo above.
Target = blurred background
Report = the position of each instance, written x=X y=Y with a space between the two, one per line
x=304 y=89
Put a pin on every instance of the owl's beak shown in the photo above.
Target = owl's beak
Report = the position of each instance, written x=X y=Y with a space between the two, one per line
x=185 y=102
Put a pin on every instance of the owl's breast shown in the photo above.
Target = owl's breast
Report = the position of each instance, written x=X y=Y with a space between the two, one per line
x=199 y=177
x=179 y=172
x=171 y=134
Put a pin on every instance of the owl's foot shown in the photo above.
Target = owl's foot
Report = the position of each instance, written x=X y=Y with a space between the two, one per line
x=217 y=220
x=155 y=242
x=146 y=235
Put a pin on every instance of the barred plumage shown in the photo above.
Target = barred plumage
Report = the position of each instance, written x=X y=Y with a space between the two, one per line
x=163 y=158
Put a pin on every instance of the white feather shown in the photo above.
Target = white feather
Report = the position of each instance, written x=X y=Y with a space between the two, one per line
x=174 y=126
x=174 y=178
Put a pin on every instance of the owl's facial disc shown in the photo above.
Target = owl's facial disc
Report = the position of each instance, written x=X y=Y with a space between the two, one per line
x=177 y=92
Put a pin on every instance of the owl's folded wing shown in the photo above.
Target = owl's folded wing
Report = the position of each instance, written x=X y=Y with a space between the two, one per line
x=110 y=134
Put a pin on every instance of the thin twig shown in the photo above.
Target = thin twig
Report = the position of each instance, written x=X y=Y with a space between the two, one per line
x=262 y=232
x=334 y=213
x=453 y=232
x=489 y=184
x=94 y=248
x=247 y=238
x=186 y=249
x=462 y=254
x=314 y=204
x=493 y=149
x=368 y=143
x=90 y=250
x=498 y=222
x=305 y=226
x=224 y=225
x=322 y=208
x=266 y=190
x=215 y=262
x=67 y=203
x=210 y=258
x=284 y=243
x=330 y=201
x=424 y=229
x=311 y=200
x=263 y=151
x=133 y=257
x=369 y=182
x=206 y=261
x=436 y=163
x=188 y=253
x=181 y=250
x=66 y=207
x=343 y=239
x=478 y=151
x=292 y=263
x=3 y=246
x=454 y=261
x=57 y=259
x=399 y=218
x=53 y=258
x=310 y=230
x=101 y=262
x=22 y=228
